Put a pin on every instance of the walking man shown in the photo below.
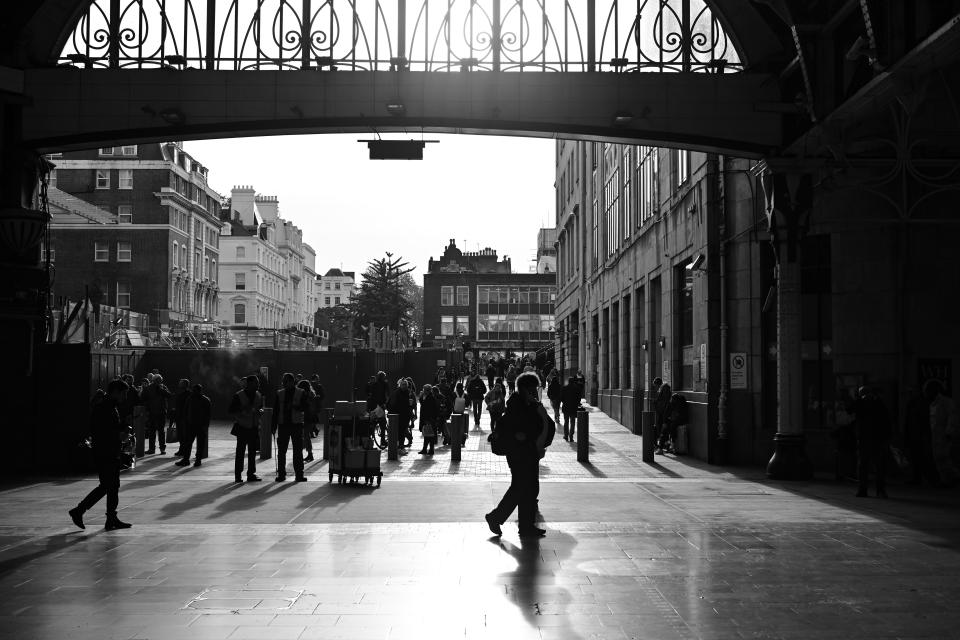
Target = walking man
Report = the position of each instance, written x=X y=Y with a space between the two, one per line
x=570 y=397
x=476 y=391
x=155 y=399
x=529 y=431
x=289 y=406
x=873 y=440
x=400 y=405
x=108 y=433
x=246 y=407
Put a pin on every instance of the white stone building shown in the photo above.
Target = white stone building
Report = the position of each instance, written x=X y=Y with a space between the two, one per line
x=336 y=287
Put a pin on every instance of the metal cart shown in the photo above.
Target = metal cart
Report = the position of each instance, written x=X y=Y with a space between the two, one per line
x=352 y=452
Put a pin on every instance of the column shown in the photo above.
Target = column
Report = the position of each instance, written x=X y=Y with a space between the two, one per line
x=788 y=201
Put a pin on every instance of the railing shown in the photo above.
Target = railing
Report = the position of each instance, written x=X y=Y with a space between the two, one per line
x=397 y=35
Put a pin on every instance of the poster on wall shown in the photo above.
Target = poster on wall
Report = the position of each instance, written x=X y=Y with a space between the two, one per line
x=940 y=369
x=738 y=370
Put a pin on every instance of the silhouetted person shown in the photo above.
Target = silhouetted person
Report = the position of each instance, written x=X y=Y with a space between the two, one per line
x=246 y=407
x=429 y=415
x=476 y=390
x=311 y=429
x=379 y=392
x=400 y=405
x=179 y=414
x=873 y=440
x=661 y=400
x=554 y=394
x=198 y=426
x=155 y=398
x=290 y=403
x=108 y=434
x=570 y=397
x=491 y=374
x=529 y=431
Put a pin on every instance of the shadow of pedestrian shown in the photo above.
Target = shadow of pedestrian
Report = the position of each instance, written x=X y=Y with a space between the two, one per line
x=51 y=545
x=196 y=500
x=533 y=587
x=247 y=500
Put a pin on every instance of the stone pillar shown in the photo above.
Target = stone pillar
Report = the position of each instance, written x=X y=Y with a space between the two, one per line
x=788 y=196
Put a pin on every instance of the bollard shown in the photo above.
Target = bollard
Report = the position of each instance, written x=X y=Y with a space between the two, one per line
x=326 y=430
x=648 y=440
x=393 y=428
x=583 y=436
x=266 y=436
x=457 y=425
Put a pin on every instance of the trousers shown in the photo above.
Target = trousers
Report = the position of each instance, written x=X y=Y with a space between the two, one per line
x=287 y=434
x=522 y=493
x=246 y=442
x=108 y=471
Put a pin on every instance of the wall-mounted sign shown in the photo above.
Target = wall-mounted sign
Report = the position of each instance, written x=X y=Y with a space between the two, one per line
x=738 y=370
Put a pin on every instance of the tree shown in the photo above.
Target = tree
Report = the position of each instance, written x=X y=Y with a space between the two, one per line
x=381 y=299
x=414 y=293
x=338 y=321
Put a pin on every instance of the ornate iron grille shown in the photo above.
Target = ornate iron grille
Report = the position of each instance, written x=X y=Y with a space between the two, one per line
x=419 y=35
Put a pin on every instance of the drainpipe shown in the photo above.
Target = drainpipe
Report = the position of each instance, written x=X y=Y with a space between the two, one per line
x=724 y=347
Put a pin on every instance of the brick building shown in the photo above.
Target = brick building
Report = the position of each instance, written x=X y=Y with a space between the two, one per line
x=475 y=298
x=153 y=248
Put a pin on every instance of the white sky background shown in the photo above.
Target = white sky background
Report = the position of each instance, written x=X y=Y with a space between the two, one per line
x=488 y=191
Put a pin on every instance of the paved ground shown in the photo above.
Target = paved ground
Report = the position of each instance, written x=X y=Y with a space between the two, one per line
x=673 y=550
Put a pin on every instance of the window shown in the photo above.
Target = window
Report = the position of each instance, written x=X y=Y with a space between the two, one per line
x=196 y=264
x=128 y=150
x=183 y=257
x=446 y=298
x=646 y=179
x=326 y=286
x=124 y=251
x=213 y=271
x=241 y=253
x=241 y=281
x=48 y=251
x=629 y=215
x=336 y=285
x=463 y=296
x=125 y=213
x=125 y=179
x=103 y=179
x=206 y=267
x=106 y=151
x=52 y=178
x=483 y=294
x=101 y=252
x=336 y=300
x=239 y=314
x=463 y=326
x=446 y=325
x=326 y=299
x=176 y=254
x=682 y=160
x=197 y=230
x=684 y=310
x=123 y=295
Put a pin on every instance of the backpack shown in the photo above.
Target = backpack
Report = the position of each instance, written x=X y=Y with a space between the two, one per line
x=459 y=404
x=499 y=444
x=677 y=410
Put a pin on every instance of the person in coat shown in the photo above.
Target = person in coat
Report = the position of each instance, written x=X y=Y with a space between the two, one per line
x=496 y=400
x=529 y=431
x=570 y=397
x=108 y=434
x=872 y=422
x=400 y=405
x=429 y=416
x=246 y=408
x=476 y=390
x=198 y=426
x=155 y=398
x=179 y=414
x=554 y=394
x=290 y=405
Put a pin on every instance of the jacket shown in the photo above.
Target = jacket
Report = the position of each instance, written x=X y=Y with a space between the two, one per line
x=554 y=391
x=198 y=411
x=400 y=403
x=106 y=429
x=528 y=432
x=299 y=406
x=245 y=409
x=570 y=396
x=476 y=389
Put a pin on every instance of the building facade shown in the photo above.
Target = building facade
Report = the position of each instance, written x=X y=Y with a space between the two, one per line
x=546 y=251
x=336 y=287
x=474 y=298
x=158 y=253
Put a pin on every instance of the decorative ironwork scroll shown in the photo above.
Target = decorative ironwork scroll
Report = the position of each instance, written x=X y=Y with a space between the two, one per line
x=416 y=35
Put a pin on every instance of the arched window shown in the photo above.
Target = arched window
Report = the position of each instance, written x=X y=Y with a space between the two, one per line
x=239 y=313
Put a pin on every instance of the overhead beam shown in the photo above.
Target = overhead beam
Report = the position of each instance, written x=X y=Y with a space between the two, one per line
x=712 y=112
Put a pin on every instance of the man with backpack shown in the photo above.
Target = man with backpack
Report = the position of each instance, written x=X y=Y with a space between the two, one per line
x=522 y=434
x=675 y=415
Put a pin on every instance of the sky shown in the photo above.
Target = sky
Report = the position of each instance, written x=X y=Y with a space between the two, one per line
x=483 y=191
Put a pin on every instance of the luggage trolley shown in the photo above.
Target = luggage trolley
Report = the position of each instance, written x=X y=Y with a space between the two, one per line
x=352 y=452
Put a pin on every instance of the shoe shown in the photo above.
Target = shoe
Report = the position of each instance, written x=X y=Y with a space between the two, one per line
x=116 y=523
x=77 y=516
x=197 y=463
x=421 y=452
x=183 y=462
x=862 y=493
x=532 y=532
x=281 y=478
x=301 y=479
x=238 y=480
x=309 y=458
x=254 y=478
x=493 y=524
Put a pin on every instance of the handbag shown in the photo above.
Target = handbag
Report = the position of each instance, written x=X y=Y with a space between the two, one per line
x=499 y=443
x=235 y=431
x=172 y=433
